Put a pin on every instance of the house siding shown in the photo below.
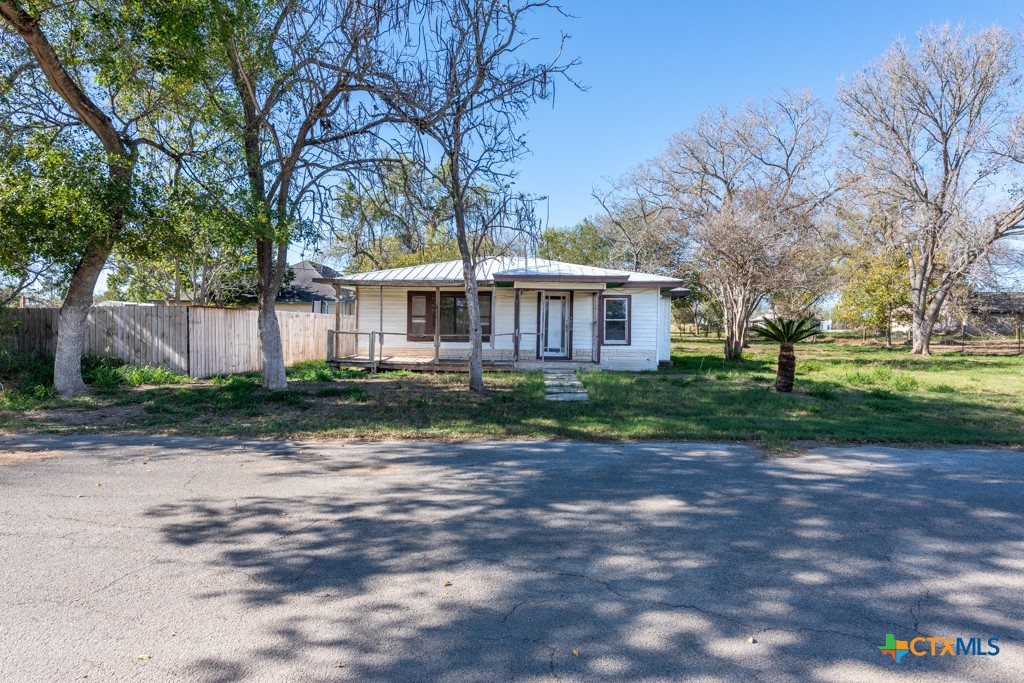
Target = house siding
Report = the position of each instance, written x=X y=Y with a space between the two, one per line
x=641 y=354
x=642 y=351
x=665 y=333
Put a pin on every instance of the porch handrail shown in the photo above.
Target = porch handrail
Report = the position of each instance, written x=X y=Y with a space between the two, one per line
x=375 y=343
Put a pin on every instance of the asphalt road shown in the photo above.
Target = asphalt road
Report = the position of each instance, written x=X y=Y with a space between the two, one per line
x=166 y=559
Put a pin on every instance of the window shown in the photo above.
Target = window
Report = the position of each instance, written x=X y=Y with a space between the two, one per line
x=453 y=317
x=421 y=316
x=616 y=320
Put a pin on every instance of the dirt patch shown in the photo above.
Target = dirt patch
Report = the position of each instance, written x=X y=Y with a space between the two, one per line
x=106 y=416
x=23 y=456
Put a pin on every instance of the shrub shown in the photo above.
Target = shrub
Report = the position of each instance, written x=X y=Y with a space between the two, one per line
x=858 y=378
x=318 y=371
x=904 y=382
x=108 y=373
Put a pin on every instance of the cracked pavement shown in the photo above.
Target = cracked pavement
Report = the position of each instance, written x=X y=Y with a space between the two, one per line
x=164 y=559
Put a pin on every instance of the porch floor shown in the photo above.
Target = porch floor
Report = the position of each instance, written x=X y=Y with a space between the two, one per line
x=420 y=363
x=426 y=364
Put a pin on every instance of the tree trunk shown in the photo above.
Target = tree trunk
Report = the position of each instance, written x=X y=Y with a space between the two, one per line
x=735 y=322
x=476 y=369
x=72 y=326
x=476 y=366
x=273 y=352
x=270 y=277
x=786 y=374
x=888 y=332
x=922 y=327
x=925 y=310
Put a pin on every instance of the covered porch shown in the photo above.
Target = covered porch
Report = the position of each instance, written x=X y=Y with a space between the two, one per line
x=524 y=327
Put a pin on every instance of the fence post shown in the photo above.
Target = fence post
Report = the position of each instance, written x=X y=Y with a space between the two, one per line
x=188 y=341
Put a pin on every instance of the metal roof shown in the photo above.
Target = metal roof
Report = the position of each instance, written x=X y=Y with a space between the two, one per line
x=502 y=269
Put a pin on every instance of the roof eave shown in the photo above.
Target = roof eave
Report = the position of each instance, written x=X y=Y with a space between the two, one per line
x=653 y=283
x=499 y=277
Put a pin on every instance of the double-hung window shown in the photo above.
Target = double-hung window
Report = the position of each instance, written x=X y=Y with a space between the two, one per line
x=615 y=319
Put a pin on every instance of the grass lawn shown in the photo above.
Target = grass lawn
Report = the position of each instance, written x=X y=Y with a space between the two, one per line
x=845 y=392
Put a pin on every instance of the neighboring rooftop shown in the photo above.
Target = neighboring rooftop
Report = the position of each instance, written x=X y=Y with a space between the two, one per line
x=503 y=269
x=998 y=303
x=308 y=284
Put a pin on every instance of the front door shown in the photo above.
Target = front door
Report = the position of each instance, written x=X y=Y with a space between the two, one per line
x=554 y=321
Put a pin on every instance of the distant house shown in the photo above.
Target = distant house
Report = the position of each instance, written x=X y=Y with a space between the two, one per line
x=302 y=294
x=998 y=303
x=307 y=291
x=999 y=312
x=534 y=312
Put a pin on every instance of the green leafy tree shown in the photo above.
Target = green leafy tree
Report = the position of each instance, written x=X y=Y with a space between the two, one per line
x=584 y=243
x=875 y=294
x=100 y=80
x=194 y=251
x=53 y=201
x=786 y=332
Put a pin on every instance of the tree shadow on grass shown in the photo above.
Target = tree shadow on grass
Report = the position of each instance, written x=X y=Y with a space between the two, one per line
x=653 y=562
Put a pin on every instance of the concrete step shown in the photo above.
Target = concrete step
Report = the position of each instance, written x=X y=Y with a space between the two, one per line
x=563 y=386
x=566 y=389
x=567 y=397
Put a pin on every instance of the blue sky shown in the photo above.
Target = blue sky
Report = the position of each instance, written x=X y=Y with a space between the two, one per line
x=653 y=65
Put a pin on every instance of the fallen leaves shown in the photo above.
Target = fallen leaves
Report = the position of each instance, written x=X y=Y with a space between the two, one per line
x=143 y=658
x=447 y=583
x=575 y=652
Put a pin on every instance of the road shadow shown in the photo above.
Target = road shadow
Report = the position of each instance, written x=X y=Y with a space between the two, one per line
x=650 y=562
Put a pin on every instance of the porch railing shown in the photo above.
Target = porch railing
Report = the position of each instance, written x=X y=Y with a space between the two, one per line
x=342 y=344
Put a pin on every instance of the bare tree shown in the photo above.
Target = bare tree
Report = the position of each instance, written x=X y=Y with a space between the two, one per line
x=637 y=223
x=746 y=190
x=299 y=107
x=463 y=90
x=931 y=132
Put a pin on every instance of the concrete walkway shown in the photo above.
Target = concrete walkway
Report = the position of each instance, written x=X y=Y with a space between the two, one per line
x=563 y=385
x=172 y=559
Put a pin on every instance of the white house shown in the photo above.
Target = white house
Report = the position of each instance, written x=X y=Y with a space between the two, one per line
x=535 y=312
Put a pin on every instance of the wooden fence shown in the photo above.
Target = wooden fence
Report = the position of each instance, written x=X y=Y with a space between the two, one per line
x=196 y=341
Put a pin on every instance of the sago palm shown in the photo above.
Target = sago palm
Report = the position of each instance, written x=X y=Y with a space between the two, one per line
x=786 y=332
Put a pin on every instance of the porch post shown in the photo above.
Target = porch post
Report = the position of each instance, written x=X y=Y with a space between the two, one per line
x=337 y=320
x=515 y=322
x=540 y=322
x=437 y=325
x=494 y=317
x=568 y=343
x=337 y=307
